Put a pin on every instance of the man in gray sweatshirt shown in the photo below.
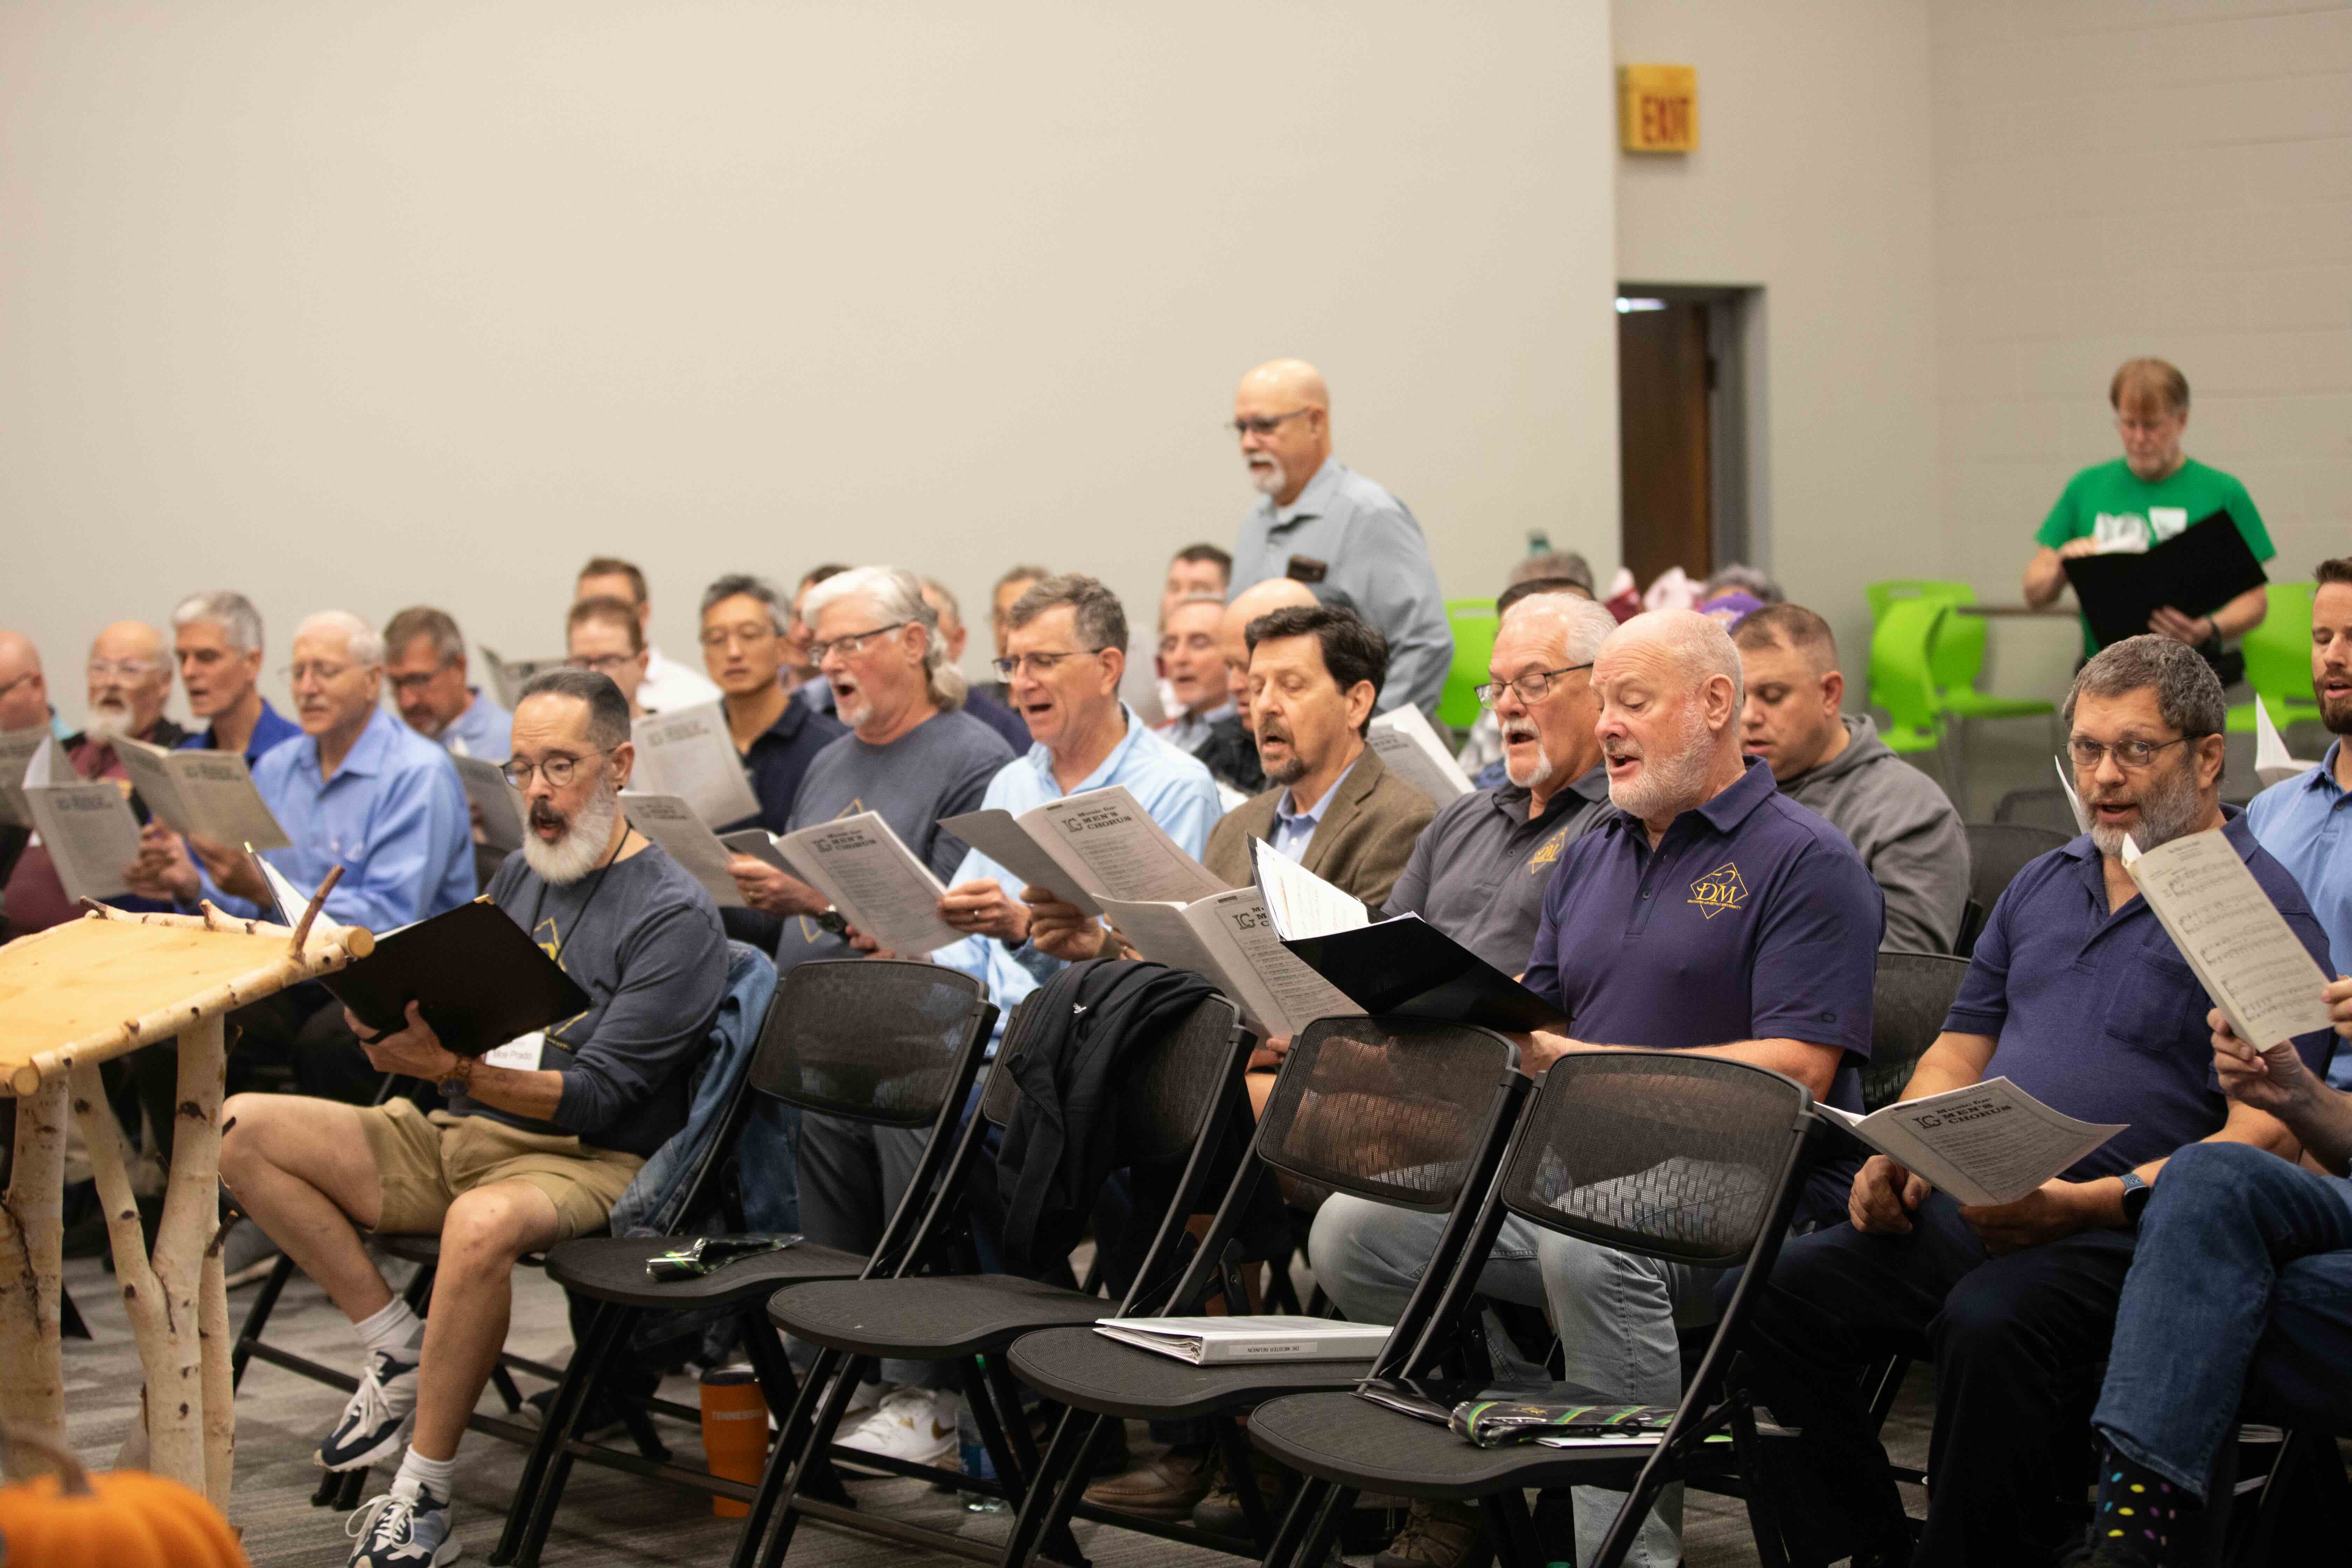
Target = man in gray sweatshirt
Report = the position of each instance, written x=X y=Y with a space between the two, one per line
x=1835 y=764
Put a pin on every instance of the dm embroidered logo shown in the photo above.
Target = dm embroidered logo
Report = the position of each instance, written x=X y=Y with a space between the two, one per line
x=1548 y=853
x=1719 y=889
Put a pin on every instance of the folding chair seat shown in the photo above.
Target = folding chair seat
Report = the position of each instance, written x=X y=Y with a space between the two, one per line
x=1178 y=1102
x=885 y=1041
x=1686 y=1158
x=1398 y=1110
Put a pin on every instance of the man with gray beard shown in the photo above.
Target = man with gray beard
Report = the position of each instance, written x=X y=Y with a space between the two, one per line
x=526 y=1155
x=2077 y=996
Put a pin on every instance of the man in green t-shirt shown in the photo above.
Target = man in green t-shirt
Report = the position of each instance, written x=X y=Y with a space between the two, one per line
x=2144 y=497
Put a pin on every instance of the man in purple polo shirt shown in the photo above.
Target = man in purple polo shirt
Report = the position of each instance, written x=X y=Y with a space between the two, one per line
x=1708 y=912
x=2076 y=994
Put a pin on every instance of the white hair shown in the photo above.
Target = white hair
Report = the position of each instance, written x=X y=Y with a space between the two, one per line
x=1585 y=625
x=1697 y=646
x=232 y=612
x=365 y=643
x=897 y=596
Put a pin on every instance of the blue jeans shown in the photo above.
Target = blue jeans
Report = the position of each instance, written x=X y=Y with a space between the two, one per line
x=2240 y=1295
x=1614 y=1313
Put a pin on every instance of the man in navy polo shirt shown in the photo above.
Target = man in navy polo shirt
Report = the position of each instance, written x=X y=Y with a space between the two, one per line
x=2076 y=994
x=1707 y=912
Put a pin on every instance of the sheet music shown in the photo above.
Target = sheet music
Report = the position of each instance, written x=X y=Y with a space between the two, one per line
x=2073 y=802
x=88 y=828
x=1302 y=903
x=1121 y=852
x=670 y=822
x=690 y=754
x=1990 y=1142
x=500 y=804
x=2242 y=950
x=2273 y=764
x=17 y=749
x=1411 y=749
x=1000 y=835
x=1299 y=995
x=209 y=794
x=875 y=881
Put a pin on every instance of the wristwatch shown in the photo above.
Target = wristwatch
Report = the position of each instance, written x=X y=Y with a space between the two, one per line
x=461 y=1076
x=2136 y=1192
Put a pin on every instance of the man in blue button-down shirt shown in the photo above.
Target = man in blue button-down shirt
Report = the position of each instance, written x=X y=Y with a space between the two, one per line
x=424 y=663
x=2301 y=820
x=1313 y=505
x=360 y=790
x=216 y=640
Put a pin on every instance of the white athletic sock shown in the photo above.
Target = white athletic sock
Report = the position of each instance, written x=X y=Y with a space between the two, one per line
x=433 y=1475
x=395 y=1328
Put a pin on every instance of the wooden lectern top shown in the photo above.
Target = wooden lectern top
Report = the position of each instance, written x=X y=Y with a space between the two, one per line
x=92 y=989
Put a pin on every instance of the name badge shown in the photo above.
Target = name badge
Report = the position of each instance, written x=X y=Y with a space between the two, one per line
x=520 y=1054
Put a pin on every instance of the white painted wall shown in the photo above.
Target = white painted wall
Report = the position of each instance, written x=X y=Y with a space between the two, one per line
x=2122 y=178
x=362 y=306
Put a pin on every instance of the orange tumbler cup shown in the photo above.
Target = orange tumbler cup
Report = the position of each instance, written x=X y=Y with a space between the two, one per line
x=734 y=1432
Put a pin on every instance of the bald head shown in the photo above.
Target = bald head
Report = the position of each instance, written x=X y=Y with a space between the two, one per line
x=129 y=681
x=1283 y=415
x=1233 y=631
x=24 y=690
x=1670 y=690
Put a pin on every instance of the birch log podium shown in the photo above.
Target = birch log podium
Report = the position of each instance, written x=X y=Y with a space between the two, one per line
x=74 y=996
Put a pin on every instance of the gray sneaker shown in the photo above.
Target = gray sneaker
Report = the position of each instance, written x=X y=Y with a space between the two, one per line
x=395 y=1530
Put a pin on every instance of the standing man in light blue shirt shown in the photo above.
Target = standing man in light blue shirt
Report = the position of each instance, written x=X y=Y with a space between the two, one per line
x=360 y=790
x=2301 y=820
x=425 y=664
x=1320 y=520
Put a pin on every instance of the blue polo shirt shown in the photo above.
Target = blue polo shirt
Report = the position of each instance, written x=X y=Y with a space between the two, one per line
x=268 y=730
x=1753 y=919
x=779 y=755
x=2097 y=1014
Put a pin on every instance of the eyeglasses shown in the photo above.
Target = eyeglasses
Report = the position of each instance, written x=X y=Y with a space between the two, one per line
x=414 y=682
x=749 y=636
x=120 y=668
x=1532 y=687
x=296 y=674
x=557 y=770
x=602 y=663
x=2133 y=754
x=1264 y=424
x=1037 y=664
x=851 y=646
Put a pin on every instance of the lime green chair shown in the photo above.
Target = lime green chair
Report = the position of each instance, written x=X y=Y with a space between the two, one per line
x=1474 y=621
x=2278 y=660
x=1957 y=658
x=1903 y=679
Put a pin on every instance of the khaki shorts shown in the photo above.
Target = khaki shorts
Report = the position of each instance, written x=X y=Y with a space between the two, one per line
x=425 y=1163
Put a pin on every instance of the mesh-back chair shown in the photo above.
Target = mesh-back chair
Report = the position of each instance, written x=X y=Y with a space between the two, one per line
x=1907 y=1004
x=1178 y=1102
x=885 y=1041
x=1997 y=851
x=1399 y=1111
x=2038 y=808
x=1684 y=1158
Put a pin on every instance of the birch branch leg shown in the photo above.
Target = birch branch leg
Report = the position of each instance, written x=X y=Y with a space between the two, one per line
x=143 y=1296
x=33 y=1392
x=220 y=1388
x=175 y=1410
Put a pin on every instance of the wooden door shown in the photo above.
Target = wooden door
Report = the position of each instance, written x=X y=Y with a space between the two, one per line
x=1661 y=424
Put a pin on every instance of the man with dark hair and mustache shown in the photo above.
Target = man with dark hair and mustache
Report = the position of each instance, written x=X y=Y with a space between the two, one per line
x=528 y=1153
x=2075 y=995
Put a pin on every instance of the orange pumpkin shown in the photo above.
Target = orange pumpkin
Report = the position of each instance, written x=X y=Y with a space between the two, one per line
x=117 y=1519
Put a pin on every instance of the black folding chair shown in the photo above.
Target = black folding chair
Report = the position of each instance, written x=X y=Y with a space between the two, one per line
x=1911 y=993
x=2038 y=808
x=1689 y=1159
x=883 y=1041
x=1181 y=1098
x=1397 y=1111
x=1997 y=851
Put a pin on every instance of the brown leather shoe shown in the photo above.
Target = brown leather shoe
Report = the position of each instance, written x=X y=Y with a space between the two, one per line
x=1164 y=1486
x=1435 y=1536
x=1221 y=1510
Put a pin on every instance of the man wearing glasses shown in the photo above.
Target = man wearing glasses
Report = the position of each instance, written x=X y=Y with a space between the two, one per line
x=360 y=790
x=425 y=666
x=1319 y=520
x=603 y=634
x=2076 y=995
x=744 y=647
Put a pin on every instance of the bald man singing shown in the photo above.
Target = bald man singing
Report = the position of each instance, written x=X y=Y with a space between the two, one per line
x=1320 y=520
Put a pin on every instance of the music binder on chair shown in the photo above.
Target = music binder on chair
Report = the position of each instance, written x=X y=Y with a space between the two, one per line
x=477 y=977
x=2195 y=572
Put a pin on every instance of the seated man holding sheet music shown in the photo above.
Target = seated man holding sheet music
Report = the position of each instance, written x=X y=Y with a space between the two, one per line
x=2076 y=994
x=541 y=1135
x=1705 y=912
x=745 y=624
x=360 y=790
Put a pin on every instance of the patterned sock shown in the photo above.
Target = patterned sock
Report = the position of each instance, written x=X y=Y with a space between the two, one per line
x=417 y=1472
x=2137 y=1511
x=395 y=1328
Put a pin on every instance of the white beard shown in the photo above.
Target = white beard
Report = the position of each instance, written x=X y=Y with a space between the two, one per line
x=108 y=725
x=575 y=853
x=1666 y=781
x=1268 y=480
x=1536 y=771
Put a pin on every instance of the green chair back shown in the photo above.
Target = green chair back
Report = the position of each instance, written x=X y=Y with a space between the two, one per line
x=1902 y=675
x=1958 y=656
x=1474 y=621
x=2278 y=651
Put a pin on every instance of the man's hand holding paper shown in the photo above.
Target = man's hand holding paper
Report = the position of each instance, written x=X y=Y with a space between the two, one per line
x=2054 y=1209
x=1883 y=1197
x=1061 y=930
x=980 y=907
x=764 y=887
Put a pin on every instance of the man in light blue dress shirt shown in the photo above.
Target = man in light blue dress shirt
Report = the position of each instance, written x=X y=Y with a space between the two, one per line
x=1363 y=539
x=2301 y=821
x=425 y=662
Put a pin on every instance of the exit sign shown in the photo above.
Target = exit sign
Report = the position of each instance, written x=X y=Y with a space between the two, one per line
x=1657 y=109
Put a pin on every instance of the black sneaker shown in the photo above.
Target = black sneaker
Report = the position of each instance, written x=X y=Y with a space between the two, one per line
x=399 y=1531
x=375 y=1422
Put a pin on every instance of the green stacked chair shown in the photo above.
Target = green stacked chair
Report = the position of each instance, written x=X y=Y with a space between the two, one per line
x=1902 y=675
x=1474 y=621
x=1958 y=655
x=2278 y=660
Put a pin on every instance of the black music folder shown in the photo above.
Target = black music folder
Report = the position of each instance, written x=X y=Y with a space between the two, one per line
x=1409 y=967
x=2195 y=572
